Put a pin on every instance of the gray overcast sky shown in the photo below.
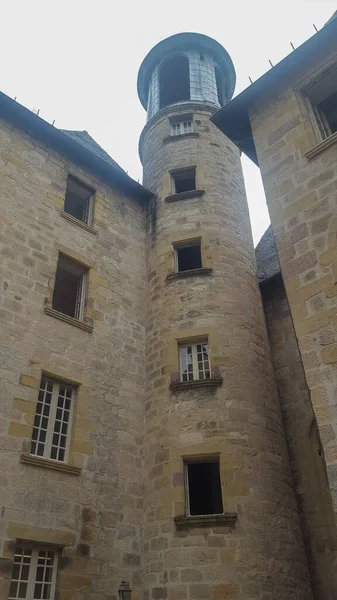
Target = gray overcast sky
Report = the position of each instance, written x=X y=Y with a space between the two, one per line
x=77 y=61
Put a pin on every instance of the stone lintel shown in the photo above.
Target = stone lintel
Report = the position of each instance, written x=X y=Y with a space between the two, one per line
x=184 y=195
x=46 y=463
x=184 y=522
x=58 y=315
x=189 y=273
x=42 y=535
x=198 y=383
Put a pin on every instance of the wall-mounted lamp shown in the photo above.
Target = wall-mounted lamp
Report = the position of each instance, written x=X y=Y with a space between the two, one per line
x=124 y=590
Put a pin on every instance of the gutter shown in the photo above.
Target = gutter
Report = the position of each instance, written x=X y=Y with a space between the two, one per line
x=26 y=120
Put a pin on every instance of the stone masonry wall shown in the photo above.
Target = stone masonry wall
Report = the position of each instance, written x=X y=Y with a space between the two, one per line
x=96 y=516
x=262 y=555
x=301 y=194
x=307 y=461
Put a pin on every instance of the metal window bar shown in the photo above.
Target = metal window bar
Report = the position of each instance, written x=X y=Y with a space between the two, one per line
x=50 y=438
x=34 y=574
x=79 y=305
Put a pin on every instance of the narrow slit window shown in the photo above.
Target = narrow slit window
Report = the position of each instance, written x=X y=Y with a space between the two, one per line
x=34 y=573
x=78 y=200
x=194 y=362
x=322 y=98
x=70 y=285
x=183 y=180
x=203 y=483
x=188 y=257
x=53 y=417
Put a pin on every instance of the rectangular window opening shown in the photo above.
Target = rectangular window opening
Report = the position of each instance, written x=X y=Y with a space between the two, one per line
x=181 y=127
x=34 y=573
x=183 y=180
x=323 y=100
x=188 y=257
x=78 y=200
x=194 y=362
x=204 y=487
x=53 y=418
x=69 y=290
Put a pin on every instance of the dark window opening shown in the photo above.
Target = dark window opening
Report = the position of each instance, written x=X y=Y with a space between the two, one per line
x=218 y=80
x=323 y=100
x=184 y=181
x=69 y=287
x=189 y=257
x=204 y=488
x=328 y=108
x=202 y=56
x=78 y=200
x=174 y=81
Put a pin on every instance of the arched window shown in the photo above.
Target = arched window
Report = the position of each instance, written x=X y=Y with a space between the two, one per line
x=219 y=87
x=174 y=81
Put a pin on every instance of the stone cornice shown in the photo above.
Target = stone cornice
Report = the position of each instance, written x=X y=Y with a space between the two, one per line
x=184 y=522
x=184 y=195
x=181 y=136
x=190 y=273
x=46 y=463
x=327 y=143
x=77 y=222
x=198 y=383
x=58 y=315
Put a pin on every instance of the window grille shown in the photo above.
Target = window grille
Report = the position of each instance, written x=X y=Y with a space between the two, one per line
x=51 y=431
x=34 y=574
x=194 y=362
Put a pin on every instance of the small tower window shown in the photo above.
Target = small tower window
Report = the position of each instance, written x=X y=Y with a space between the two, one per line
x=174 y=81
x=194 y=362
x=322 y=101
x=183 y=180
x=203 y=483
x=181 y=127
x=188 y=257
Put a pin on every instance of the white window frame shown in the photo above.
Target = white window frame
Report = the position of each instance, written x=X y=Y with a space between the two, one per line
x=181 y=127
x=51 y=419
x=81 y=293
x=33 y=565
x=195 y=363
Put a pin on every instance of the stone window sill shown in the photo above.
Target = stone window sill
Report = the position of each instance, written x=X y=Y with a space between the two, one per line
x=182 y=136
x=190 y=273
x=78 y=222
x=37 y=461
x=316 y=150
x=183 y=522
x=198 y=383
x=58 y=315
x=184 y=195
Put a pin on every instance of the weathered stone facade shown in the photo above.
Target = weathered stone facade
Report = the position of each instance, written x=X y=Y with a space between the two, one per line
x=95 y=510
x=117 y=508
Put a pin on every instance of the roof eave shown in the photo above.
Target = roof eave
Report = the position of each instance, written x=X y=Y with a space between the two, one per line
x=233 y=118
x=31 y=123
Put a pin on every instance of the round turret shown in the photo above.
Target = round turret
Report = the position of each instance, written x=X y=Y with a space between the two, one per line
x=220 y=515
x=186 y=67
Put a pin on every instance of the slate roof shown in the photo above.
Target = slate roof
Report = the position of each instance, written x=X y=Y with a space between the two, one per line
x=83 y=138
x=266 y=256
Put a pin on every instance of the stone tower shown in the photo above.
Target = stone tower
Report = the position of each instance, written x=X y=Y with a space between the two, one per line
x=221 y=518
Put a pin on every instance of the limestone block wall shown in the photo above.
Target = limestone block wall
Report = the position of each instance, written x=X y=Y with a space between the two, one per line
x=96 y=514
x=301 y=193
x=262 y=555
x=307 y=460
